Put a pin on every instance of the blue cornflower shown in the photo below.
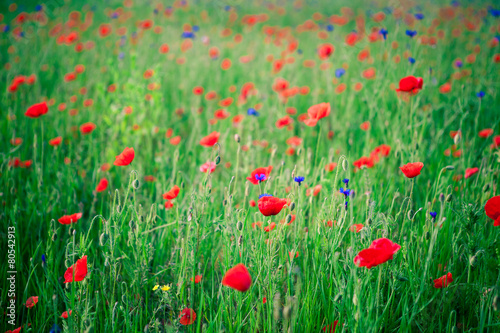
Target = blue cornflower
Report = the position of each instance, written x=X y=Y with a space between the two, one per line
x=227 y=8
x=38 y=8
x=187 y=34
x=384 y=33
x=196 y=28
x=455 y=3
x=411 y=60
x=433 y=215
x=459 y=63
x=21 y=34
x=299 y=179
x=55 y=329
x=264 y=195
x=411 y=33
x=299 y=51
x=387 y=10
x=44 y=259
x=494 y=12
x=345 y=192
x=346 y=182
x=121 y=55
x=252 y=112
x=480 y=94
x=419 y=16
x=6 y=28
x=114 y=15
x=155 y=11
x=339 y=72
x=260 y=177
x=329 y=27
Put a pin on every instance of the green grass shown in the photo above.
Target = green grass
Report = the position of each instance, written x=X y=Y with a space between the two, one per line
x=133 y=243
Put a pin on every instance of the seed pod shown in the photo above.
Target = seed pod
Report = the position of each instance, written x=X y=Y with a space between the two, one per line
x=239 y=225
x=237 y=138
x=449 y=198
x=217 y=160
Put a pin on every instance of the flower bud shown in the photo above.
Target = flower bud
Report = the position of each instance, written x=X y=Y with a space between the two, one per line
x=237 y=138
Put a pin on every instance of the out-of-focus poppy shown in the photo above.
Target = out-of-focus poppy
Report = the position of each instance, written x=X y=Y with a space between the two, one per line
x=68 y=219
x=172 y=194
x=37 y=110
x=237 y=278
x=210 y=140
x=380 y=251
x=492 y=209
x=31 y=302
x=469 y=172
x=102 y=186
x=125 y=158
x=444 y=281
x=79 y=270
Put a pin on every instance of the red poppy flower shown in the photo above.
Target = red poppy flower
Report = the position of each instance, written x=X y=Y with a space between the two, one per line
x=31 y=302
x=187 y=317
x=330 y=166
x=282 y=122
x=210 y=140
x=496 y=142
x=55 y=141
x=469 y=172
x=125 y=158
x=168 y=204
x=87 y=128
x=325 y=51
x=197 y=278
x=269 y=205
x=331 y=328
x=258 y=172
x=365 y=126
x=80 y=271
x=410 y=84
x=237 y=278
x=208 y=167
x=270 y=227
x=444 y=281
x=382 y=150
x=486 y=132
x=102 y=186
x=17 y=330
x=198 y=90
x=37 y=110
x=68 y=219
x=412 y=170
x=172 y=194
x=492 y=209
x=364 y=161
x=66 y=314
x=316 y=112
x=356 y=227
x=380 y=251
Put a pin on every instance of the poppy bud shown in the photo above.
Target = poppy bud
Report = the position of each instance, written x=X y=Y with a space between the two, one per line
x=54 y=237
x=182 y=185
x=449 y=198
x=217 y=160
x=427 y=235
x=454 y=329
x=344 y=165
x=496 y=302
x=119 y=278
x=486 y=187
x=416 y=146
x=292 y=207
x=369 y=221
x=410 y=214
x=288 y=218
x=449 y=167
x=103 y=238
x=457 y=138
x=224 y=202
x=240 y=240
x=237 y=138
x=239 y=225
x=299 y=151
x=131 y=224
x=209 y=190
x=441 y=198
x=337 y=298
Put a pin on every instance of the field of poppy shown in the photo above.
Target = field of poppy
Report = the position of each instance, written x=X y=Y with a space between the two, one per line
x=250 y=166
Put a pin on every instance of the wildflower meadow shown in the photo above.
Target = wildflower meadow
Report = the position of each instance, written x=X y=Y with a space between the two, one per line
x=250 y=166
